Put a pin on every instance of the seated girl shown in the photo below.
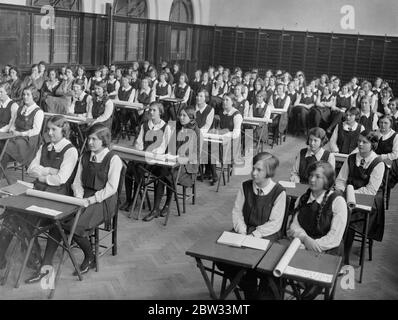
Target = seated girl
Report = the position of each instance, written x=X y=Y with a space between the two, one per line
x=187 y=145
x=320 y=217
x=153 y=128
x=97 y=181
x=345 y=135
x=102 y=107
x=64 y=93
x=112 y=85
x=258 y=211
x=16 y=85
x=343 y=103
x=81 y=101
x=367 y=117
x=181 y=90
x=320 y=114
x=26 y=128
x=53 y=167
x=313 y=153
x=301 y=109
x=8 y=108
x=364 y=171
x=94 y=80
x=49 y=88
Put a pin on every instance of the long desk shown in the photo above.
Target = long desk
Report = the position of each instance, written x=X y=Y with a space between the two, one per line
x=141 y=161
x=18 y=208
x=4 y=137
x=208 y=249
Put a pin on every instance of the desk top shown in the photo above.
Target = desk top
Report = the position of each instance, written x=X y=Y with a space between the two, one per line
x=22 y=202
x=137 y=158
x=208 y=249
x=127 y=105
x=6 y=135
x=303 y=259
x=70 y=118
x=300 y=189
x=175 y=100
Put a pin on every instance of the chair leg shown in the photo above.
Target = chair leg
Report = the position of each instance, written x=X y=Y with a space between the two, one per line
x=370 y=249
x=142 y=201
x=114 y=236
x=194 y=193
x=184 y=194
x=96 y=249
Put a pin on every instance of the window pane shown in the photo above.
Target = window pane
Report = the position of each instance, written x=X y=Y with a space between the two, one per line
x=182 y=44
x=174 y=41
x=132 y=53
x=75 y=39
x=87 y=40
x=120 y=41
x=63 y=4
x=61 y=40
x=41 y=42
x=142 y=39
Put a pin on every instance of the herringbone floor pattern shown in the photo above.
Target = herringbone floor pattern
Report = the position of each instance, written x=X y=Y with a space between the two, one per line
x=151 y=261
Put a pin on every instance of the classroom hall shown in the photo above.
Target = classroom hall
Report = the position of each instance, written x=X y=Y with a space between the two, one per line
x=96 y=186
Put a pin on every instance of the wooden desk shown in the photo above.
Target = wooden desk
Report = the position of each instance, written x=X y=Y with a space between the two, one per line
x=258 y=122
x=340 y=157
x=126 y=157
x=4 y=136
x=307 y=260
x=208 y=249
x=119 y=104
x=18 y=205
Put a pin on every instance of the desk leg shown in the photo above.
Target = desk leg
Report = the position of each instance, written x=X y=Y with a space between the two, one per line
x=174 y=181
x=206 y=278
x=135 y=201
x=67 y=243
x=8 y=267
x=233 y=284
x=27 y=255
x=1 y=158
x=364 y=238
x=260 y=140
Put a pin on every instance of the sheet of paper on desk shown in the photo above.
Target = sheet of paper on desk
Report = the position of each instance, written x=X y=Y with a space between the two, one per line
x=360 y=206
x=231 y=239
x=287 y=184
x=313 y=275
x=46 y=211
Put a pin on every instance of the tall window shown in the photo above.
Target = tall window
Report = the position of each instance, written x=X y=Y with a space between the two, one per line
x=181 y=36
x=181 y=11
x=71 y=5
x=129 y=37
x=63 y=39
x=131 y=8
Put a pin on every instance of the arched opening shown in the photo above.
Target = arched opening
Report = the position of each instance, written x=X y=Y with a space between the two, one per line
x=71 y=5
x=181 y=11
x=131 y=8
x=181 y=35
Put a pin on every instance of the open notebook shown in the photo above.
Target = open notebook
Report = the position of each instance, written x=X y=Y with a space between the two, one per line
x=17 y=188
x=240 y=240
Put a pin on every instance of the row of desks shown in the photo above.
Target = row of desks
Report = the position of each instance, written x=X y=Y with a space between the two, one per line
x=207 y=249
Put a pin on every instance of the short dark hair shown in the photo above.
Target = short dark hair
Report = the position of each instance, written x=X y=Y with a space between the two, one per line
x=270 y=162
x=102 y=132
x=318 y=133
x=372 y=137
x=190 y=111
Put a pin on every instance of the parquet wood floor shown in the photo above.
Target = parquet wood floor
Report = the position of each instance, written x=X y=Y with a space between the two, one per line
x=151 y=261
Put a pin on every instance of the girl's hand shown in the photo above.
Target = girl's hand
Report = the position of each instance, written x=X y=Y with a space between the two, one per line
x=311 y=244
x=42 y=179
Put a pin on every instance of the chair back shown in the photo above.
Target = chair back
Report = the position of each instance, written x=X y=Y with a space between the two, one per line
x=288 y=213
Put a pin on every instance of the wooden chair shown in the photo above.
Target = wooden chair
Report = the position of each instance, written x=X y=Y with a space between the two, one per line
x=186 y=197
x=101 y=233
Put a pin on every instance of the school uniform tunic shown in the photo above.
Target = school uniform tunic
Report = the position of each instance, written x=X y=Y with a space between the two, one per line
x=182 y=93
x=324 y=220
x=161 y=90
x=387 y=147
x=97 y=178
x=206 y=86
x=111 y=87
x=29 y=121
x=204 y=118
x=7 y=109
x=80 y=106
x=347 y=137
x=241 y=105
x=366 y=179
x=16 y=90
x=259 y=211
x=102 y=111
x=369 y=121
x=305 y=159
x=93 y=82
x=57 y=162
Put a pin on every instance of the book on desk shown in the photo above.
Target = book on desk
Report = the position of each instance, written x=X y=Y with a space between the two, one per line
x=239 y=240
